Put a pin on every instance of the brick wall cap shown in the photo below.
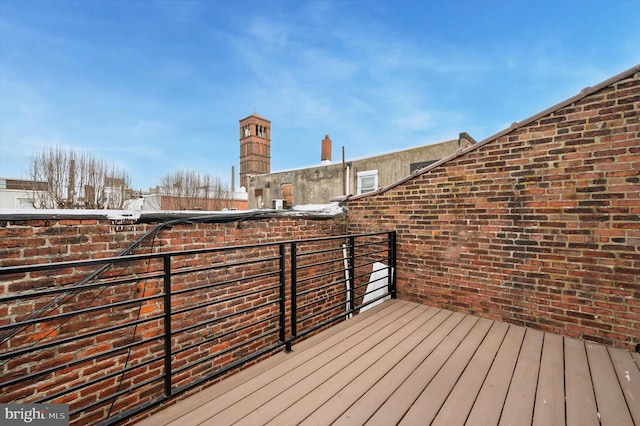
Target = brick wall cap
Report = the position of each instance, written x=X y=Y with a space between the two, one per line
x=309 y=212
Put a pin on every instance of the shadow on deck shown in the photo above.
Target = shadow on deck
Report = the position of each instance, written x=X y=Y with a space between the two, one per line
x=406 y=363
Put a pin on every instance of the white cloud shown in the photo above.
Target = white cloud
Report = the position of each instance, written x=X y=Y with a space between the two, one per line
x=269 y=34
x=415 y=121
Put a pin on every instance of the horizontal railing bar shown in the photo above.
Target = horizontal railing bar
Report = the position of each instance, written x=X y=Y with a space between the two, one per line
x=366 y=284
x=382 y=253
x=123 y=259
x=117 y=394
x=80 y=361
x=219 y=372
x=315 y=314
x=373 y=291
x=322 y=324
x=99 y=379
x=381 y=243
x=223 y=283
x=228 y=299
x=226 y=350
x=357 y=287
x=133 y=257
x=341 y=303
x=365 y=274
x=79 y=311
x=368 y=274
x=224 y=317
x=212 y=338
x=196 y=266
x=340 y=248
x=316 y=252
x=129 y=413
x=325 y=262
x=339 y=237
x=373 y=301
x=385 y=277
x=183 y=271
x=229 y=367
x=75 y=289
x=227 y=333
x=23 y=351
x=323 y=286
x=315 y=302
x=324 y=274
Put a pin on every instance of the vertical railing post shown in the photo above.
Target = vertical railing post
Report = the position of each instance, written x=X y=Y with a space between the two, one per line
x=392 y=264
x=294 y=294
x=352 y=274
x=167 y=326
x=283 y=296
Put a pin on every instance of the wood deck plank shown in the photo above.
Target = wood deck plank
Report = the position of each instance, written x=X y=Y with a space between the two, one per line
x=407 y=362
x=360 y=410
x=581 y=407
x=549 y=404
x=194 y=402
x=518 y=407
x=297 y=359
x=337 y=372
x=270 y=399
x=429 y=403
x=488 y=405
x=371 y=364
x=629 y=377
x=394 y=408
x=349 y=394
x=609 y=397
x=456 y=408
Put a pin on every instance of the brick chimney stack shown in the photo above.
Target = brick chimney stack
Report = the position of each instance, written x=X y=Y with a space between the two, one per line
x=326 y=151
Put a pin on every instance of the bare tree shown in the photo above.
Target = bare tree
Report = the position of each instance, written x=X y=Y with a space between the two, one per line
x=76 y=180
x=188 y=190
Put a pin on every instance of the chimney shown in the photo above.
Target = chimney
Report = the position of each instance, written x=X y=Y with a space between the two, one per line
x=326 y=151
x=465 y=140
x=233 y=178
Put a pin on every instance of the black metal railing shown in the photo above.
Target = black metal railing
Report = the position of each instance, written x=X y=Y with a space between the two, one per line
x=147 y=327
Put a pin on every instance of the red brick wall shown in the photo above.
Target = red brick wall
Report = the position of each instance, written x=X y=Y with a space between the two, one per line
x=539 y=226
x=41 y=241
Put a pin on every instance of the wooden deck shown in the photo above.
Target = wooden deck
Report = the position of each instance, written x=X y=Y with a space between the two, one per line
x=405 y=363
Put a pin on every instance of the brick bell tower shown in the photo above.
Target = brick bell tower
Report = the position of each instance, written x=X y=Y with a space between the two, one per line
x=255 y=147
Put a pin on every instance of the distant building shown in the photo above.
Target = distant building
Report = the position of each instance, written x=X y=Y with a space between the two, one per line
x=228 y=200
x=255 y=147
x=26 y=194
x=319 y=184
x=20 y=193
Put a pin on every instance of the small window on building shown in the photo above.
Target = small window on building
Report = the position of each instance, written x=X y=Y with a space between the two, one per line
x=367 y=181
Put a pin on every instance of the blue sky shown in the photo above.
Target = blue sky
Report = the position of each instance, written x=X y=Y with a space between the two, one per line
x=154 y=86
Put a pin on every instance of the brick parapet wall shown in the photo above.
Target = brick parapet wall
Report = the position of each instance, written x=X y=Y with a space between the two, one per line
x=539 y=227
x=31 y=241
x=54 y=240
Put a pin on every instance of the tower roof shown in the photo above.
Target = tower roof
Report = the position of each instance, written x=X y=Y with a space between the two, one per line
x=255 y=115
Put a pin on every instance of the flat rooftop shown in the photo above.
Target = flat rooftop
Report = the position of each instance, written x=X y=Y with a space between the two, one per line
x=407 y=363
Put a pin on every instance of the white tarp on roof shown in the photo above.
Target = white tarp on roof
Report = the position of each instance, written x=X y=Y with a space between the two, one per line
x=378 y=286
